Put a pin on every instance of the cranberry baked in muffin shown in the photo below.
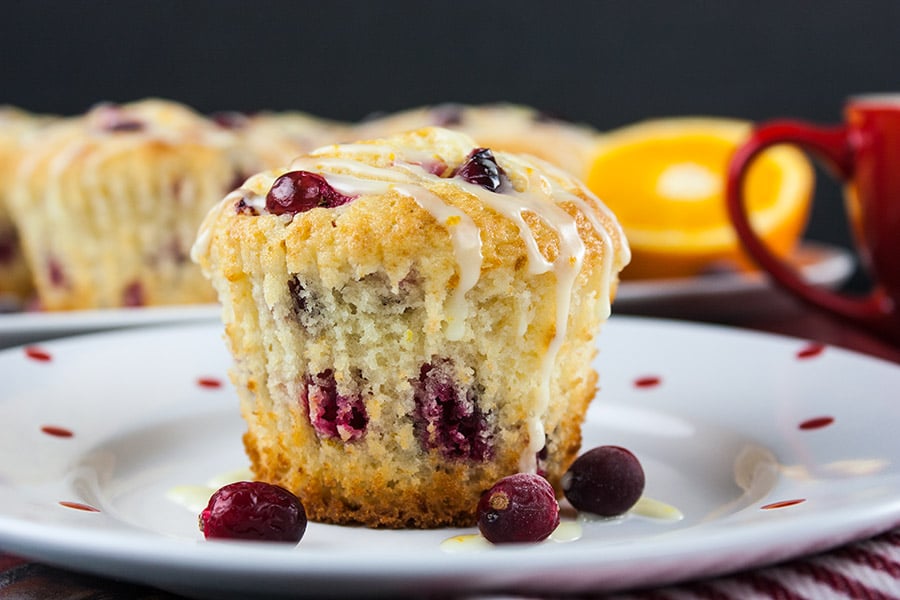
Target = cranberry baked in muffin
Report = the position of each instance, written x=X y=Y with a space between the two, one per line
x=411 y=319
x=108 y=204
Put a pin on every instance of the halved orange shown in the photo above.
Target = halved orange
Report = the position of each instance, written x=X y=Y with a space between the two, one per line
x=665 y=181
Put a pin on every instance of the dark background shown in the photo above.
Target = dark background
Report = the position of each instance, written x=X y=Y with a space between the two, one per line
x=604 y=63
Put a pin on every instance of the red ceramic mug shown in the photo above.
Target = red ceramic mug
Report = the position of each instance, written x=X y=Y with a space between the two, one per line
x=865 y=153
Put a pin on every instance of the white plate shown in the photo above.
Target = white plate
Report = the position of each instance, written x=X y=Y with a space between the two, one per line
x=23 y=327
x=727 y=410
x=719 y=295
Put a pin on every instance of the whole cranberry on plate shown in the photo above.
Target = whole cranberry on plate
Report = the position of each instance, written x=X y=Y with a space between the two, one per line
x=606 y=481
x=253 y=510
x=518 y=508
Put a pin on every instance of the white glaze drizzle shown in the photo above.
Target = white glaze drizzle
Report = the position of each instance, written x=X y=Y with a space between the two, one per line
x=200 y=247
x=656 y=509
x=566 y=267
x=467 y=248
x=590 y=211
x=464 y=235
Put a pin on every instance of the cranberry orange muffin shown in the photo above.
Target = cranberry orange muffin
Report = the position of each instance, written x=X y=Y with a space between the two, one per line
x=16 y=126
x=108 y=204
x=411 y=319
x=502 y=126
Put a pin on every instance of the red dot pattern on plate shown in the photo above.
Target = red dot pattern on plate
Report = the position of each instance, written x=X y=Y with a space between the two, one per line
x=78 y=506
x=209 y=382
x=811 y=350
x=57 y=431
x=647 y=381
x=783 y=504
x=38 y=354
x=816 y=423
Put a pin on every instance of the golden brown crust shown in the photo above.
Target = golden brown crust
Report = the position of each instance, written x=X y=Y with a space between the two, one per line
x=354 y=305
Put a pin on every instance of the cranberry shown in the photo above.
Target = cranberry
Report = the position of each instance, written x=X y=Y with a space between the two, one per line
x=242 y=208
x=519 y=508
x=437 y=168
x=230 y=119
x=447 y=417
x=253 y=510
x=447 y=115
x=606 y=481
x=132 y=125
x=133 y=294
x=297 y=292
x=9 y=246
x=540 y=460
x=307 y=307
x=111 y=117
x=334 y=415
x=300 y=191
x=57 y=274
x=481 y=168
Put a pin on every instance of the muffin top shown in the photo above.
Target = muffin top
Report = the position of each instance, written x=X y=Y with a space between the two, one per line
x=146 y=131
x=152 y=118
x=428 y=200
x=17 y=126
x=120 y=126
x=16 y=123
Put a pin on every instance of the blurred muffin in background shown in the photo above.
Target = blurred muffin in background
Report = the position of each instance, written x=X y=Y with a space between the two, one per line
x=16 y=125
x=503 y=126
x=108 y=203
x=277 y=138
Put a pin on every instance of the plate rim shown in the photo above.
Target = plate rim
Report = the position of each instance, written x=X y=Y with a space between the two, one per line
x=852 y=524
x=836 y=265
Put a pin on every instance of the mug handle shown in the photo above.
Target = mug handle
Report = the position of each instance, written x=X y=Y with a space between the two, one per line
x=834 y=146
